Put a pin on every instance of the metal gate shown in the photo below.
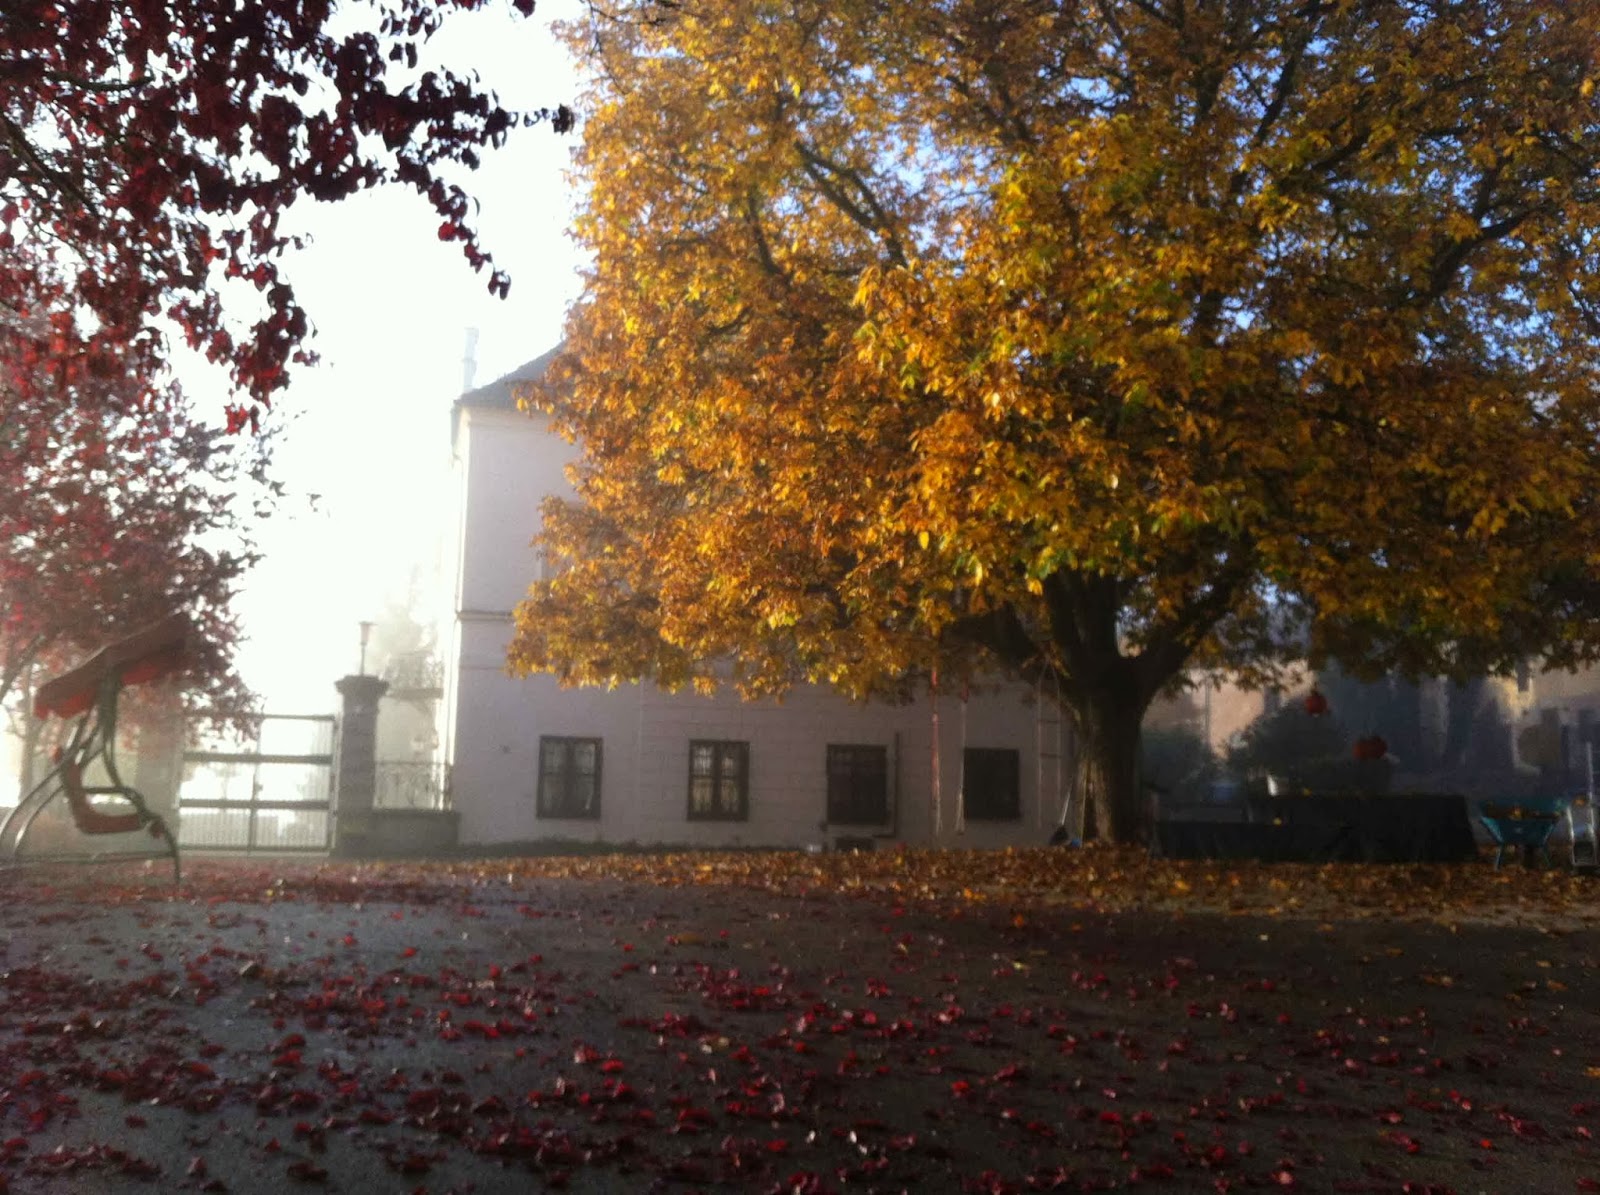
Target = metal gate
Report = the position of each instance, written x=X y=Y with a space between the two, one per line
x=267 y=788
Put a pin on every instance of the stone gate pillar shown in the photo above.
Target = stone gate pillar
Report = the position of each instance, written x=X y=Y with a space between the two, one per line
x=356 y=767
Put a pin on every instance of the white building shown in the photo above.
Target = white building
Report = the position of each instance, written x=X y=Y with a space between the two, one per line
x=531 y=761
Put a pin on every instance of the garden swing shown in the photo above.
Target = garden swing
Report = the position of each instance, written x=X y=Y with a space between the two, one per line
x=1049 y=755
x=89 y=693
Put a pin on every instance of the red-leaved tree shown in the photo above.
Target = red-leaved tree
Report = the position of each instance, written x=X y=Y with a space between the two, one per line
x=118 y=507
x=149 y=149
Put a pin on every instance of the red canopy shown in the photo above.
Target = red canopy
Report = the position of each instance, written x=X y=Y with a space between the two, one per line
x=143 y=656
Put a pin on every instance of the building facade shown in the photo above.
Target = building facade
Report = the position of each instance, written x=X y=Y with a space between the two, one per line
x=532 y=762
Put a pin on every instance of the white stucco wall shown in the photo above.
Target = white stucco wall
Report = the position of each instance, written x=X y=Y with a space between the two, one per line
x=645 y=738
x=511 y=464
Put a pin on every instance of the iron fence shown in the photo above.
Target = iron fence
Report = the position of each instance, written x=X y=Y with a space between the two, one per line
x=267 y=787
x=403 y=784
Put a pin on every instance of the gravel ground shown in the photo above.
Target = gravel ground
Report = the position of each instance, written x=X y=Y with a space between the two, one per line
x=651 y=1026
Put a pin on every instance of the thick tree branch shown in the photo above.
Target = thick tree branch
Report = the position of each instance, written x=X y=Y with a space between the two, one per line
x=868 y=213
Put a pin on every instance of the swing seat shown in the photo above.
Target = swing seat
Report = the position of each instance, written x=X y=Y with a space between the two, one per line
x=91 y=820
x=89 y=693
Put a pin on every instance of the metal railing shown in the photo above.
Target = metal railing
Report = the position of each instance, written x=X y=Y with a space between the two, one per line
x=414 y=672
x=403 y=784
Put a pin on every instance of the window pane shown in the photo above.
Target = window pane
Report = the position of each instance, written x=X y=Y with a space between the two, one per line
x=858 y=791
x=583 y=752
x=991 y=783
x=569 y=777
x=552 y=756
x=717 y=771
x=702 y=757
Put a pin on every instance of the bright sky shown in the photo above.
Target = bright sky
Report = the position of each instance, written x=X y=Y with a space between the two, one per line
x=371 y=423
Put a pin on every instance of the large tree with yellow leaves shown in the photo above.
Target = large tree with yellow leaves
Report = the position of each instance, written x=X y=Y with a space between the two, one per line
x=1113 y=340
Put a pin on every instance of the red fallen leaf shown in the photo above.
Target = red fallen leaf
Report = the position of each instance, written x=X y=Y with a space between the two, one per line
x=409 y=952
x=692 y=1120
x=1410 y=1144
x=1588 y=1184
x=307 y=1172
x=1157 y=1172
x=134 y=1121
x=138 y=1167
x=199 y=1070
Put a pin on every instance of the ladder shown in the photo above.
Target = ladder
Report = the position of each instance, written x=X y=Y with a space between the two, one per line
x=1581 y=833
x=1050 y=743
x=1581 y=821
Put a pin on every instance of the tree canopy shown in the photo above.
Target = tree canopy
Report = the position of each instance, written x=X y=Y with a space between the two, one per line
x=1117 y=340
x=120 y=507
x=149 y=149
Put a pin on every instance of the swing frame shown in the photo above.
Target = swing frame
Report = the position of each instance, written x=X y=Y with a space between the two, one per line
x=90 y=693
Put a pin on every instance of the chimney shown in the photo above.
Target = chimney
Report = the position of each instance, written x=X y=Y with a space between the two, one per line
x=469 y=360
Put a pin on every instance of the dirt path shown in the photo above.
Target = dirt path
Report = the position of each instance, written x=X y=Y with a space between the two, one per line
x=648 y=1025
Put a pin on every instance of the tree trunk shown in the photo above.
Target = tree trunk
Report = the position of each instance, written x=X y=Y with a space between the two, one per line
x=1105 y=690
x=33 y=732
x=1106 y=771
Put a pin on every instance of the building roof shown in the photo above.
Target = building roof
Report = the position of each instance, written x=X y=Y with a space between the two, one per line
x=501 y=394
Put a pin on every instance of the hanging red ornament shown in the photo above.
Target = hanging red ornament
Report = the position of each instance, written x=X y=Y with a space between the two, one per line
x=1316 y=704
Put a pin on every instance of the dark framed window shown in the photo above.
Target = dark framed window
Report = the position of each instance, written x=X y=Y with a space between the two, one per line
x=858 y=784
x=719 y=780
x=569 y=777
x=991 y=782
